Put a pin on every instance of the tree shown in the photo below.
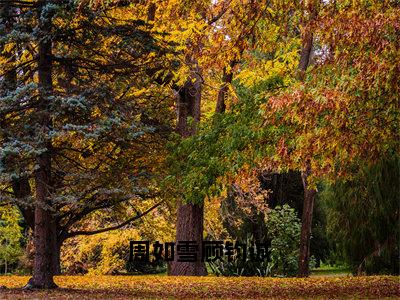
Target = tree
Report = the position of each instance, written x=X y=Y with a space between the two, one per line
x=188 y=86
x=225 y=27
x=82 y=141
x=189 y=226
x=362 y=214
x=325 y=118
x=229 y=30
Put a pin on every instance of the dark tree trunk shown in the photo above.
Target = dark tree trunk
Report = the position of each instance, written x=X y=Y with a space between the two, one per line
x=223 y=91
x=188 y=105
x=307 y=38
x=306 y=224
x=190 y=217
x=305 y=53
x=190 y=228
x=45 y=230
x=56 y=253
x=22 y=190
x=45 y=233
x=151 y=12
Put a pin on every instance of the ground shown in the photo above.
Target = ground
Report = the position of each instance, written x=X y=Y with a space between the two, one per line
x=164 y=287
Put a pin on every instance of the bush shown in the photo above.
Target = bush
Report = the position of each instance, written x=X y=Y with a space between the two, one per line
x=105 y=253
x=283 y=234
x=241 y=267
x=10 y=238
x=283 y=230
x=238 y=267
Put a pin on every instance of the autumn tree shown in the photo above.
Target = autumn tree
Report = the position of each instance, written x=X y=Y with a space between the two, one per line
x=212 y=36
x=334 y=117
x=307 y=119
x=226 y=34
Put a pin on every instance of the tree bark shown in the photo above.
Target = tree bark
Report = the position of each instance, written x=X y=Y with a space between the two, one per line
x=56 y=261
x=306 y=224
x=189 y=227
x=188 y=105
x=190 y=217
x=223 y=91
x=45 y=229
x=45 y=232
x=305 y=54
x=21 y=190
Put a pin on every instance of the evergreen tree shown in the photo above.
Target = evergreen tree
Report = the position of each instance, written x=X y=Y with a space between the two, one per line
x=81 y=131
x=363 y=217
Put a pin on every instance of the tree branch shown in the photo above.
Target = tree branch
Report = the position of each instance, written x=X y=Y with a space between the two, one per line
x=75 y=233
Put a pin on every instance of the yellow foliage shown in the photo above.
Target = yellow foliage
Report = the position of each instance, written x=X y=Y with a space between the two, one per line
x=108 y=252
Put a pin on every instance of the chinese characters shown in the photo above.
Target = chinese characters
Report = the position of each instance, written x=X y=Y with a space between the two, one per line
x=191 y=251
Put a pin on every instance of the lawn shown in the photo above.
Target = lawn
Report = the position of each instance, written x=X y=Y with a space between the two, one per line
x=161 y=287
x=331 y=271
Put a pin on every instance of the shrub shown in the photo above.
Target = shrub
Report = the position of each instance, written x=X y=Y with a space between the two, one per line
x=283 y=230
x=10 y=238
x=283 y=234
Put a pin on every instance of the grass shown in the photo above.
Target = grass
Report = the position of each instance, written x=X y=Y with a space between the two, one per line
x=331 y=271
x=166 y=287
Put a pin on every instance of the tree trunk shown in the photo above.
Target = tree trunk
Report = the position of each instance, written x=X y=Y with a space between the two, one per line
x=190 y=228
x=190 y=217
x=305 y=54
x=21 y=190
x=45 y=233
x=188 y=105
x=223 y=90
x=306 y=224
x=56 y=261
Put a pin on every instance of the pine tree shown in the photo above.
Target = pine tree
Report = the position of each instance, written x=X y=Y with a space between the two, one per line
x=81 y=131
